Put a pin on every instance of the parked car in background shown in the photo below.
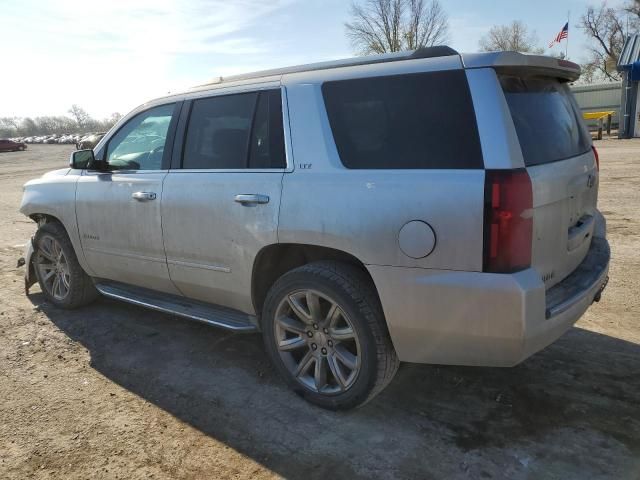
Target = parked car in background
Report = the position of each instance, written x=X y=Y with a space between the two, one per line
x=427 y=206
x=11 y=146
x=90 y=141
x=65 y=138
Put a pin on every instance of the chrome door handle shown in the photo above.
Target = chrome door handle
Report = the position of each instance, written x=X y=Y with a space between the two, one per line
x=144 y=196
x=251 y=199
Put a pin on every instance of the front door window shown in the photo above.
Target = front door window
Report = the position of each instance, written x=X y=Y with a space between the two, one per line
x=139 y=144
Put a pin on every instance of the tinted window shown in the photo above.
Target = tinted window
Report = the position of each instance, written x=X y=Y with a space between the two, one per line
x=421 y=120
x=235 y=132
x=267 y=138
x=546 y=118
x=139 y=144
x=218 y=132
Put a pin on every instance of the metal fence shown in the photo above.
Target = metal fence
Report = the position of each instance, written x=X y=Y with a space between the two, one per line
x=598 y=97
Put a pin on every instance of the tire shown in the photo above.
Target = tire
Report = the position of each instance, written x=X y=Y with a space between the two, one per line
x=345 y=327
x=75 y=288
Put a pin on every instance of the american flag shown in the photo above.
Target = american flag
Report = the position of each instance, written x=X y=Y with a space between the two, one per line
x=564 y=33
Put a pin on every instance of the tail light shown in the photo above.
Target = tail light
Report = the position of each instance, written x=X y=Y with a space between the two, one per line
x=595 y=154
x=508 y=221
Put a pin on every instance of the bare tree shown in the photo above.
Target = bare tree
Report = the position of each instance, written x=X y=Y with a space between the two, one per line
x=80 y=115
x=382 y=26
x=589 y=73
x=9 y=126
x=515 y=36
x=428 y=24
x=28 y=127
x=47 y=125
x=112 y=119
x=634 y=9
x=607 y=28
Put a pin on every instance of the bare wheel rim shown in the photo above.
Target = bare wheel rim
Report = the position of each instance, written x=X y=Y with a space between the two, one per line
x=53 y=267
x=317 y=342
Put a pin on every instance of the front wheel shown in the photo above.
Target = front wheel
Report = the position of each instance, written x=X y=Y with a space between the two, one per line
x=61 y=278
x=324 y=329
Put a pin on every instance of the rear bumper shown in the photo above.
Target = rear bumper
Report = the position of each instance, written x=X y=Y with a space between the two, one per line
x=567 y=301
x=484 y=319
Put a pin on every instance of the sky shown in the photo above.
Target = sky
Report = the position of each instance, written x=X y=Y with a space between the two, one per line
x=112 y=55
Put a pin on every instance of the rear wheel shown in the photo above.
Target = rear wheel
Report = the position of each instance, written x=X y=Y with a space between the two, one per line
x=324 y=330
x=61 y=278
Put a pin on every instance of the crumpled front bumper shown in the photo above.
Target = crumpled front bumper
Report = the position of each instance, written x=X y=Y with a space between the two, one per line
x=29 y=270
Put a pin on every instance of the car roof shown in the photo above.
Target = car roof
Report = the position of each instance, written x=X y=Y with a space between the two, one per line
x=469 y=60
x=427 y=52
x=544 y=65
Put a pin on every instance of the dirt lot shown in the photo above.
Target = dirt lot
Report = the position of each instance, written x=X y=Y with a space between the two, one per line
x=115 y=391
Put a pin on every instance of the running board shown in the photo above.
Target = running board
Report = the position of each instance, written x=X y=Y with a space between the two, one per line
x=165 y=302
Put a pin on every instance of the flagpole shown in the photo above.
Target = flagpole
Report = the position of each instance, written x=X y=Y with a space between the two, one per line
x=566 y=45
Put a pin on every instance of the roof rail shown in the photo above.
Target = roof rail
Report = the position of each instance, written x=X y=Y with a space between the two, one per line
x=420 y=53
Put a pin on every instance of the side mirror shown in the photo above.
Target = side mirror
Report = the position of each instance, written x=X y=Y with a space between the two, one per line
x=82 y=159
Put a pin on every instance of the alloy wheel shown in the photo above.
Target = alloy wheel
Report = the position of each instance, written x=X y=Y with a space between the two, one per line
x=53 y=268
x=317 y=342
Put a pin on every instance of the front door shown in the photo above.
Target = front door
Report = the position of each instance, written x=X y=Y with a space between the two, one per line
x=221 y=208
x=118 y=210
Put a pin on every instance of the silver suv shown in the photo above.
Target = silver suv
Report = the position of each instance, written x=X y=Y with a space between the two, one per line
x=423 y=206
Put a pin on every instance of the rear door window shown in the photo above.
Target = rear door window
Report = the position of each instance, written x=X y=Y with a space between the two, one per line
x=267 y=135
x=414 y=121
x=235 y=132
x=218 y=132
x=547 y=120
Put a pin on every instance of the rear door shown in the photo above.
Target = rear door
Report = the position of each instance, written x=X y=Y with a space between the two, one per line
x=556 y=148
x=220 y=205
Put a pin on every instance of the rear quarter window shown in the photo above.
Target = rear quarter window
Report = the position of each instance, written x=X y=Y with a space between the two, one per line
x=414 y=121
x=548 y=122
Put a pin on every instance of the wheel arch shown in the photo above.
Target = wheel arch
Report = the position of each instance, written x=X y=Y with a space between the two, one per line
x=41 y=218
x=274 y=260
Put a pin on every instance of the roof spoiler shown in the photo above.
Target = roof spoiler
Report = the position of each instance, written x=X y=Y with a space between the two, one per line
x=515 y=62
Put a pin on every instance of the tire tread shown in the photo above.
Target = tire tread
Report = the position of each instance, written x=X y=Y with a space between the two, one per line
x=358 y=286
x=82 y=290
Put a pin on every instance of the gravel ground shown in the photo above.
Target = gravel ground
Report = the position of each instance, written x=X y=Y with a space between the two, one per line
x=115 y=391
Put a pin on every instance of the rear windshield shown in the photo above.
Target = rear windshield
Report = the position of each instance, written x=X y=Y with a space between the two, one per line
x=420 y=121
x=547 y=119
